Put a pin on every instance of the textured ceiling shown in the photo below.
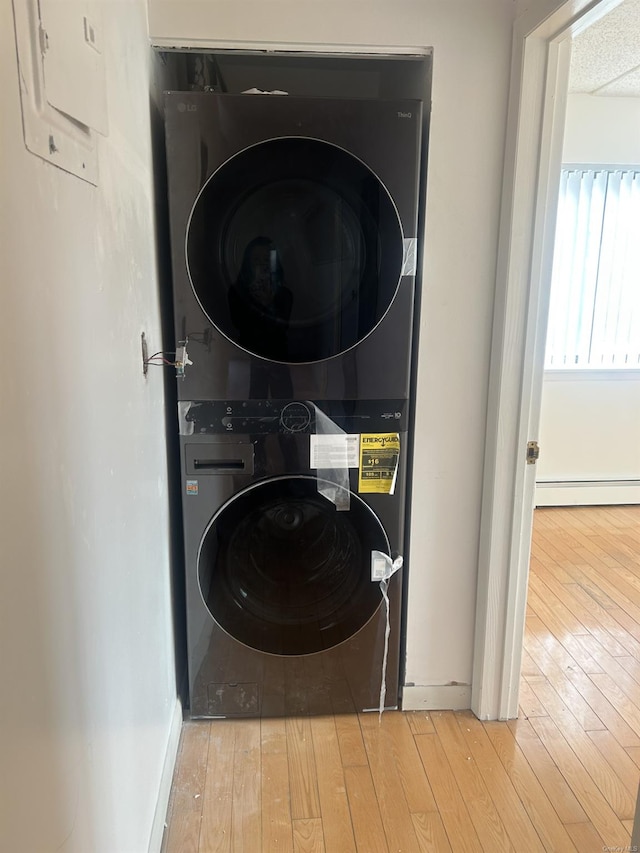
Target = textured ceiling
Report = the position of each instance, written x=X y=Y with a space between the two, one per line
x=605 y=59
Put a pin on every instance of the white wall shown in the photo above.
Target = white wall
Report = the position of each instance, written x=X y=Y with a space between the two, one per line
x=86 y=657
x=471 y=42
x=605 y=448
x=602 y=130
x=589 y=423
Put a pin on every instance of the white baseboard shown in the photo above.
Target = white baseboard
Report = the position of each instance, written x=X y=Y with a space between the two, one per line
x=160 y=816
x=436 y=697
x=594 y=493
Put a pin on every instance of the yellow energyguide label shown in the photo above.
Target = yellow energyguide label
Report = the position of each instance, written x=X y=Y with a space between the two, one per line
x=379 y=453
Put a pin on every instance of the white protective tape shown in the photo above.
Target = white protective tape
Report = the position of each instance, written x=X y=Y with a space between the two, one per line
x=410 y=256
x=382 y=568
x=187 y=427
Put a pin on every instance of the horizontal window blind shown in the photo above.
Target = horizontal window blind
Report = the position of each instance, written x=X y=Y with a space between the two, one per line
x=594 y=312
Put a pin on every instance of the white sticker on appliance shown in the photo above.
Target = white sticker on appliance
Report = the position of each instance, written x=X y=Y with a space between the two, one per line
x=382 y=566
x=378 y=566
x=335 y=451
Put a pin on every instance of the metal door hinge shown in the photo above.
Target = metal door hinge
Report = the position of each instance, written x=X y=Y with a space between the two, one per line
x=533 y=452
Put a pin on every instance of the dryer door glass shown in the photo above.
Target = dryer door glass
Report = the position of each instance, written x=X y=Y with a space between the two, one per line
x=294 y=250
x=282 y=571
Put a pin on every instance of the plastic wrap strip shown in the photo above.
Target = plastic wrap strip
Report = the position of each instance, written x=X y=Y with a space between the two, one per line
x=185 y=426
x=384 y=587
x=410 y=256
x=382 y=568
x=332 y=468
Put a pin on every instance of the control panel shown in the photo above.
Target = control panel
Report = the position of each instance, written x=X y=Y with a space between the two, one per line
x=256 y=417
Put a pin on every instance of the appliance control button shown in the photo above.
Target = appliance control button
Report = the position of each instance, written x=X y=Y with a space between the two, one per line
x=295 y=417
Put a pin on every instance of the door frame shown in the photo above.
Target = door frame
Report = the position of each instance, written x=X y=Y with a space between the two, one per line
x=541 y=54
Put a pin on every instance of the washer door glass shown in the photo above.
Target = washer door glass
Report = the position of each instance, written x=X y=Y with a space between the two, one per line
x=282 y=571
x=294 y=250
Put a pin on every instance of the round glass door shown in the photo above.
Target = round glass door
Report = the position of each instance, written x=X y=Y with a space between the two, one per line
x=282 y=571
x=294 y=250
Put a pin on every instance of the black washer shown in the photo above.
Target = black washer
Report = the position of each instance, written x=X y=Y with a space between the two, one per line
x=283 y=571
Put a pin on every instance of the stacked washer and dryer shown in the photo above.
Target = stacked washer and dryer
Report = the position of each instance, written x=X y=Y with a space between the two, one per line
x=293 y=233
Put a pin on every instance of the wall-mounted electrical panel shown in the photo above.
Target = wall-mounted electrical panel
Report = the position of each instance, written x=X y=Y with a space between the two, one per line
x=62 y=81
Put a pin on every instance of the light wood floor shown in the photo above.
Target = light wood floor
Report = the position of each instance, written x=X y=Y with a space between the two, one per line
x=562 y=777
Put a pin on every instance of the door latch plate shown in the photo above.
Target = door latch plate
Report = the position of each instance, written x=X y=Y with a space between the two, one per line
x=533 y=452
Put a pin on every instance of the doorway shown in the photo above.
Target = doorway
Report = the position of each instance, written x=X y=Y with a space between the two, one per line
x=540 y=76
x=590 y=416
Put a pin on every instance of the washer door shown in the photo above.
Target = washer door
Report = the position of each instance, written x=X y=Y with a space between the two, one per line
x=294 y=250
x=282 y=571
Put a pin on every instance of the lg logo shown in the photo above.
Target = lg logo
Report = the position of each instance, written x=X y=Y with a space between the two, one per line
x=187 y=108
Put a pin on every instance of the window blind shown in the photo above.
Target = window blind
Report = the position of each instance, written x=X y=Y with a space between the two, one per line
x=594 y=312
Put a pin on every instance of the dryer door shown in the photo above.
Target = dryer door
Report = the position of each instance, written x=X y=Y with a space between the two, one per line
x=294 y=250
x=282 y=571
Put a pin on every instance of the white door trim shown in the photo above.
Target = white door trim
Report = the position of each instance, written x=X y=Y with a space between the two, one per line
x=537 y=107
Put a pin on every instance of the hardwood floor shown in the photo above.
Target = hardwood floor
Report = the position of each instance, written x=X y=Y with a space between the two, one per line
x=563 y=777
